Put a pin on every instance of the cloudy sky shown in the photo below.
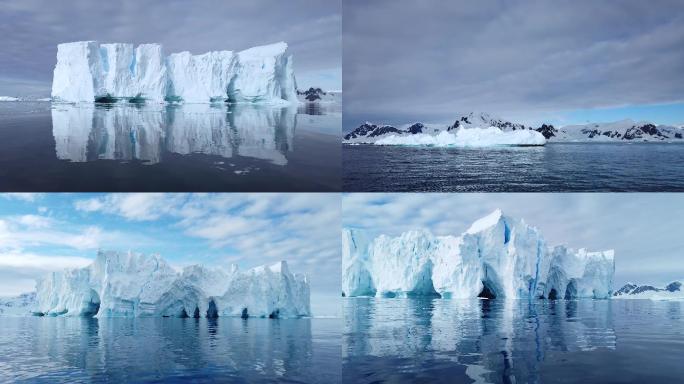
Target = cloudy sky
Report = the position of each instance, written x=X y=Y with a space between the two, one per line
x=645 y=230
x=31 y=30
x=43 y=233
x=528 y=61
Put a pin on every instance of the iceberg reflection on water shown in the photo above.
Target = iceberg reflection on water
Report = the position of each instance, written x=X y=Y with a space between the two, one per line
x=512 y=341
x=88 y=132
x=169 y=350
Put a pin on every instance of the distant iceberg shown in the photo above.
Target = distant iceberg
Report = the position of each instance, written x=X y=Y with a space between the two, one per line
x=468 y=137
x=9 y=98
x=135 y=285
x=498 y=257
x=88 y=71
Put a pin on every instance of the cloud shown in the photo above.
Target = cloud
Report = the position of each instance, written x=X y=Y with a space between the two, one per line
x=31 y=31
x=642 y=228
x=408 y=60
x=19 y=270
x=137 y=206
x=250 y=229
x=23 y=196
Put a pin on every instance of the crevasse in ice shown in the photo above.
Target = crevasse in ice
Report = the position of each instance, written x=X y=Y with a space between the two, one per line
x=497 y=257
x=88 y=71
x=136 y=285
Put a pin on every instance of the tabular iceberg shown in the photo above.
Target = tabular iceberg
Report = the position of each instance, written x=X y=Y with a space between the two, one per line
x=134 y=285
x=497 y=257
x=88 y=71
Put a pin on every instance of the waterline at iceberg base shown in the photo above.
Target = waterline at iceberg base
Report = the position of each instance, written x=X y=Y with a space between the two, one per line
x=497 y=257
x=135 y=285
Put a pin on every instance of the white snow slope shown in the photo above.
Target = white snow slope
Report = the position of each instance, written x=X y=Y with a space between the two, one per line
x=135 y=285
x=498 y=255
x=468 y=137
x=88 y=70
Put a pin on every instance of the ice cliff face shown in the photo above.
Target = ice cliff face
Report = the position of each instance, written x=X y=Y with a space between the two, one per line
x=134 y=285
x=87 y=71
x=497 y=257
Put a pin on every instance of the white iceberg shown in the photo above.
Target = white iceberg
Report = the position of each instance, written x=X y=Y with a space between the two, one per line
x=134 y=285
x=468 y=137
x=497 y=257
x=88 y=71
x=9 y=98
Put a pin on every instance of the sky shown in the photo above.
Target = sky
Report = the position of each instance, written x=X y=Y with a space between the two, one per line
x=31 y=30
x=560 y=62
x=40 y=233
x=644 y=229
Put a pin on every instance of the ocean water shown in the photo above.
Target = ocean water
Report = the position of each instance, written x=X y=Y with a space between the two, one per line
x=498 y=341
x=191 y=147
x=556 y=167
x=84 y=350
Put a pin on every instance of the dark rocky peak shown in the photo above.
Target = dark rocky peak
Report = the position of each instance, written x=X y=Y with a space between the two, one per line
x=312 y=94
x=415 y=128
x=626 y=289
x=385 y=129
x=674 y=286
x=645 y=288
x=362 y=130
x=547 y=130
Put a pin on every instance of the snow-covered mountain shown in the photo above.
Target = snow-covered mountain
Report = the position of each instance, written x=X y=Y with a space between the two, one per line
x=21 y=305
x=672 y=291
x=88 y=71
x=497 y=257
x=317 y=95
x=135 y=285
x=620 y=131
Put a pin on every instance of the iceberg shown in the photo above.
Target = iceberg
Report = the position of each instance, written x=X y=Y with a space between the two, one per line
x=497 y=257
x=136 y=285
x=88 y=71
x=468 y=137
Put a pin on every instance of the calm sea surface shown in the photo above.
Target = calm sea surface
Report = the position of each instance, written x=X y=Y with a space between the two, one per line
x=556 y=167
x=497 y=341
x=34 y=349
x=191 y=147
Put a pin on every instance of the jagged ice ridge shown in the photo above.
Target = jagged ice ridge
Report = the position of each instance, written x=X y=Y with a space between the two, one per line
x=498 y=257
x=136 y=285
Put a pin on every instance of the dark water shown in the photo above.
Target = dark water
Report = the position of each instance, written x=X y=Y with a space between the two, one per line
x=193 y=147
x=495 y=341
x=232 y=350
x=553 y=168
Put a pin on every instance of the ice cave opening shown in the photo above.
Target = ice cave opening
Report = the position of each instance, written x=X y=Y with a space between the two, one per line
x=183 y=314
x=93 y=306
x=487 y=291
x=571 y=291
x=553 y=294
x=212 y=311
x=196 y=314
x=244 y=314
